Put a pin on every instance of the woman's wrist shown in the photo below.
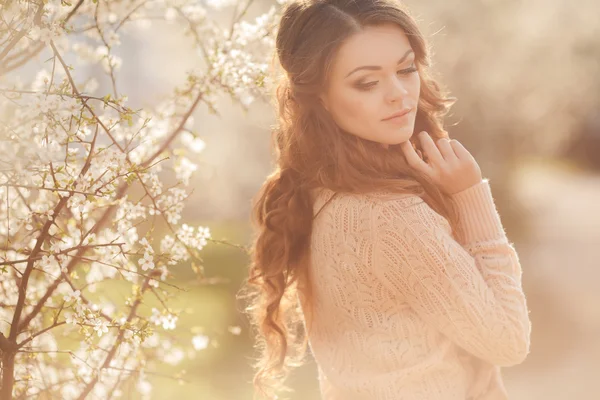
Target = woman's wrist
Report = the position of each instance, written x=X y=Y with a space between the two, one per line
x=477 y=213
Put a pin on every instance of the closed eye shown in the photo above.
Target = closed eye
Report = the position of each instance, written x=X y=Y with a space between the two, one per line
x=370 y=85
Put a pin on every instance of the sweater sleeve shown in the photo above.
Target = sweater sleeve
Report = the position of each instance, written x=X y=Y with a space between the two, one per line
x=469 y=292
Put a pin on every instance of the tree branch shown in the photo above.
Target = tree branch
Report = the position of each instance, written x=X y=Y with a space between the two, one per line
x=20 y=34
x=90 y=385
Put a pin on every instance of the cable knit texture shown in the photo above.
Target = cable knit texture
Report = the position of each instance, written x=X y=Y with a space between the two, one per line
x=405 y=311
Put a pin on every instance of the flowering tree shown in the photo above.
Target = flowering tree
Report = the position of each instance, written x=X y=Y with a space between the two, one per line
x=70 y=161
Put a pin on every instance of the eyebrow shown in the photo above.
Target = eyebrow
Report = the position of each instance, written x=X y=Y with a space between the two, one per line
x=376 y=67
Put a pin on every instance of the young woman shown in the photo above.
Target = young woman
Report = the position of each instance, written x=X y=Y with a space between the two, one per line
x=378 y=242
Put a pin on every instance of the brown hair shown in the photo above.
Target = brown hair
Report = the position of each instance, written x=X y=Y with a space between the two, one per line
x=313 y=152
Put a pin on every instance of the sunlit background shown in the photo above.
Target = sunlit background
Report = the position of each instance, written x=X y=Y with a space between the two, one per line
x=527 y=78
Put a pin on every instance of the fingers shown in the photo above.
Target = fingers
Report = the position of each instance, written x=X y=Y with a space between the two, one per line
x=461 y=152
x=412 y=158
x=438 y=152
x=431 y=150
x=446 y=149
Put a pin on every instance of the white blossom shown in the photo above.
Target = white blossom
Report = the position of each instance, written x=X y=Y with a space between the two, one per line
x=200 y=342
x=72 y=296
x=195 y=144
x=218 y=4
x=144 y=387
x=100 y=326
x=70 y=138
x=184 y=170
x=146 y=262
x=235 y=330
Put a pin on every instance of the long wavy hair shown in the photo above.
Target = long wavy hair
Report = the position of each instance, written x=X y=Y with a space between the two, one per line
x=313 y=152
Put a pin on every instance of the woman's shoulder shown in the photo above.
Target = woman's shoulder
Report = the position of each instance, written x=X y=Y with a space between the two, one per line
x=379 y=210
x=387 y=199
x=372 y=200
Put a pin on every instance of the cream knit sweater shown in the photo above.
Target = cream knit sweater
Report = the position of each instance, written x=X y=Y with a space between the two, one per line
x=405 y=312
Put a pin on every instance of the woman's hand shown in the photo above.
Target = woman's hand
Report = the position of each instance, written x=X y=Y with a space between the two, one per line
x=446 y=162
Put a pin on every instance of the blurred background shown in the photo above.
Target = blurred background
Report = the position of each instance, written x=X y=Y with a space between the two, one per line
x=527 y=78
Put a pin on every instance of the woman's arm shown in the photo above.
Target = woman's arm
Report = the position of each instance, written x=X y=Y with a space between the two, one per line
x=471 y=292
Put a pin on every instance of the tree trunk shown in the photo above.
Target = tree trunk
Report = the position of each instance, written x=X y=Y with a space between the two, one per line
x=8 y=375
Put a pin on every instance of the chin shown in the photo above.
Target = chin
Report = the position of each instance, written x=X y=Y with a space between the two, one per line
x=400 y=137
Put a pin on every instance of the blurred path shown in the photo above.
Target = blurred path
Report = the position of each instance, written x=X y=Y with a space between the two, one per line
x=561 y=263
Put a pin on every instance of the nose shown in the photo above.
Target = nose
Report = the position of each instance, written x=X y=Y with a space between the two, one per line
x=396 y=90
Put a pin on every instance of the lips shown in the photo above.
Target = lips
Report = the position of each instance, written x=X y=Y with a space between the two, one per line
x=398 y=114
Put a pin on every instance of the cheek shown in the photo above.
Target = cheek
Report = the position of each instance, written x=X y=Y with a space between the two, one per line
x=415 y=87
x=354 y=109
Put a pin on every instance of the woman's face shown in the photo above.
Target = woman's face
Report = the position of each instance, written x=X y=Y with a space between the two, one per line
x=374 y=77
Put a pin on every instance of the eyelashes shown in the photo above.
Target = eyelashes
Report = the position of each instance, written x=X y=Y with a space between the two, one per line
x=370 y=85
